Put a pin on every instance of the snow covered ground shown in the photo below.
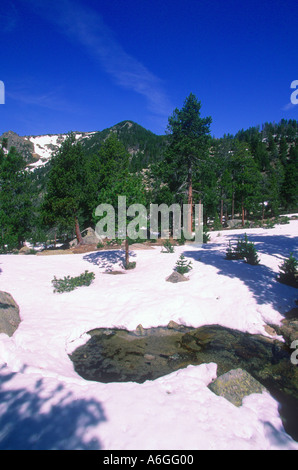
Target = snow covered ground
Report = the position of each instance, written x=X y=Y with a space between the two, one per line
x=44 y=404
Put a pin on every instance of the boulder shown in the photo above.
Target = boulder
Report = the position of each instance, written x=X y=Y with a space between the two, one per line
x=9 y=314
x=235 y=385
x=140 y=330
x=176 y=277
x=234 y=223
x=172 y=325
x=24 y=250
x=89 y=238
x=289 y=327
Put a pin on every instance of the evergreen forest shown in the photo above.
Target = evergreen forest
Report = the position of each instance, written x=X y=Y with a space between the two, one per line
x=250 y=176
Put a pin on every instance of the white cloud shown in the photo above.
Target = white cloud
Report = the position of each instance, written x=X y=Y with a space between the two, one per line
x=288 y=106
x=87 y=28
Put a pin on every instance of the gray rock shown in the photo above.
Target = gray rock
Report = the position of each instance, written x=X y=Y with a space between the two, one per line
x=235 y=385
x=234 y=223
x=24 y=250
x=140 y=330
x=9 y=314
x=89 y=238
x=176 y=277
x=289 y=327
x=172 y=325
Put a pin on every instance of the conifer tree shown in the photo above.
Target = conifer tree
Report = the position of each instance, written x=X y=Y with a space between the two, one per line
x=65 y=195
x=189 y=147
x=116 y=180
x=16 y=209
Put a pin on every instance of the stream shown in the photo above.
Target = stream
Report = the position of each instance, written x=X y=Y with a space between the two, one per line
x=117 y=355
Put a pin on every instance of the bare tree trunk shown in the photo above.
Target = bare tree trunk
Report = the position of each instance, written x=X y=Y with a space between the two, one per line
x=190 y=202
x=221 y=210
x=126 y=252
x=263 y=211
x=78 y=232
x=242 y=210
x=233 y=205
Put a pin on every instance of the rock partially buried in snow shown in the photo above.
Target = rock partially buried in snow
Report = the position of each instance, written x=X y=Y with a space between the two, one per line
x=9 y=314
x=236 y=385
x=176 y=277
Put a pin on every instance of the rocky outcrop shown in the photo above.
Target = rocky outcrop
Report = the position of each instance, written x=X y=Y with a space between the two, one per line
x=236 y=385
x=22 y=144
x=9 y=314
x=176 y=277
x=289 y=327
x=89 y=238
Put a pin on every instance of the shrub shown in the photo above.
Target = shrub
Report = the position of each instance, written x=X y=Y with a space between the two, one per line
x=243 y=250
x=130 y=265
x=216 y=224
x=206 y=236
x=168 y=247
x=182 y=266
x=288 y=271
x=68 y=283
x=31 y=252
x=251 y=255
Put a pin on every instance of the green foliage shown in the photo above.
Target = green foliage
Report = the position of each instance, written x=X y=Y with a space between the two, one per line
x=243 y=250
x=65 y=195
x=130 y=265
x=68 y=283
x=288 y=271
x=206 y=235
x=168 y=247
x=182 y=266
x=189 y=142
x=144 y=146
x=216 y=224
x=16 y=201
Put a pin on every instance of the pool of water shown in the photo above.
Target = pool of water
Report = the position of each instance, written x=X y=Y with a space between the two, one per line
x=117 y=355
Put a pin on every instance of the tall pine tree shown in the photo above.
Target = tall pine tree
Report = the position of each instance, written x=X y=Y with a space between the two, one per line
x=65 y=196
x=188 y=149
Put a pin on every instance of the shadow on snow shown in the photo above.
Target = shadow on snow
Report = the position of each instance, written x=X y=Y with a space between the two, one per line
x=260 y=279
x=107 y=259
x=28 y=421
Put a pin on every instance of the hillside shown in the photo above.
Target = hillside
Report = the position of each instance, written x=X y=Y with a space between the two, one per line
x=268 y=142
x=144 y=146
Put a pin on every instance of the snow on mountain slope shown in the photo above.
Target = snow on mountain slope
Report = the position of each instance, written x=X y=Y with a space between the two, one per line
x=46 y=145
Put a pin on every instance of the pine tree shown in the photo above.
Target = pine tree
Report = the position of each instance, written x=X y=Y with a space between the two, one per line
x=288 y=271
x=65 y=195
x=16 y=208
x=189 y=146
x=289 y=190
x=246 y=179
x=183 y=266
x=115 y=180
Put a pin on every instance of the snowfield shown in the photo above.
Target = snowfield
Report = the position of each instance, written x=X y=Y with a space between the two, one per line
x=45 y=145
x=45 y=404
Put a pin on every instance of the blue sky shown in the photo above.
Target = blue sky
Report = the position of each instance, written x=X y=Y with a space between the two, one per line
x=70 y=65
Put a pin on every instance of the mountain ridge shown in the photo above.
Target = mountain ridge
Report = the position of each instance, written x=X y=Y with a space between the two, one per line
x=143 y=145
